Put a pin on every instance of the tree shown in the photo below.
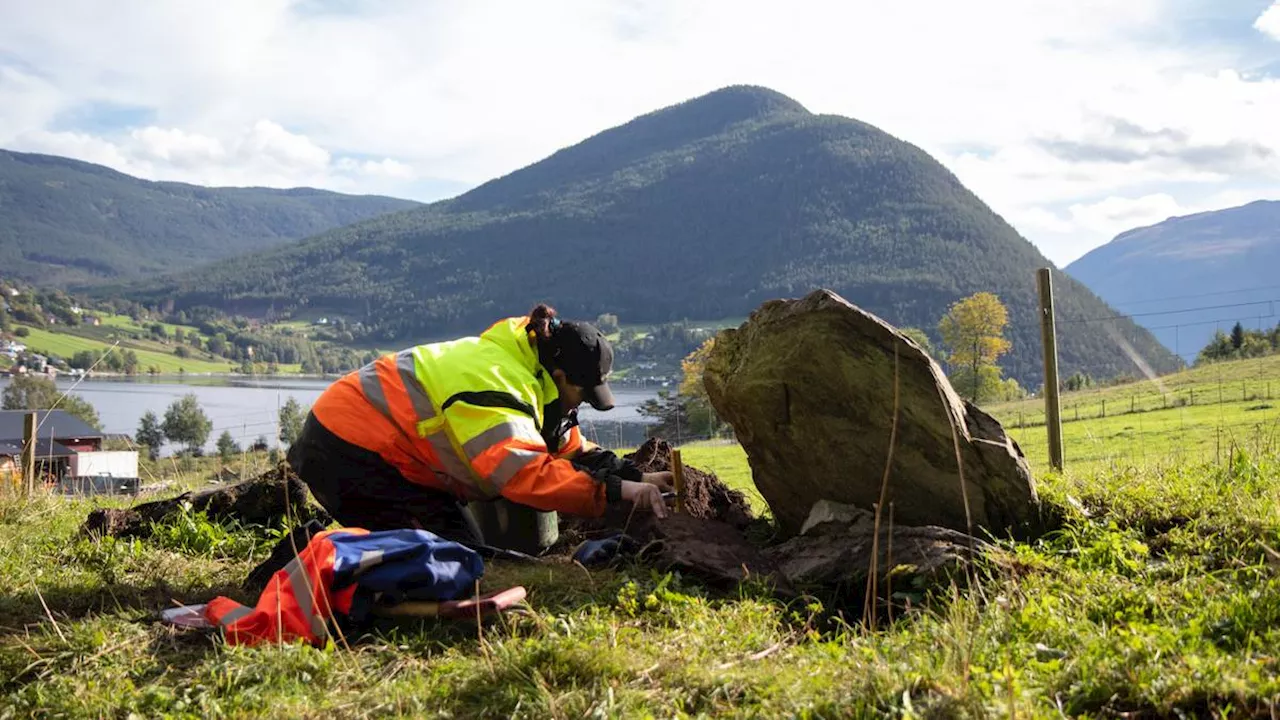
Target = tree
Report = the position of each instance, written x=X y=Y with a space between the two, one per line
x=227 y=446
x=988 y=383
x=1237 y=336
x=671 y=413
x=150 y=434
x=693 y=365
x=702 y=416
x=918 y=336
x=129 y=362
x=218 y=344
x=1219 y=348
x=973 y=334
x=186 y=423
x=292 y=415
x=1077 y=381
x=32 y=392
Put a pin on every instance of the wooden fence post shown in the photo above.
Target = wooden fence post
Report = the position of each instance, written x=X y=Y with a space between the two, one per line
x=1049 y=341
x=29 y=453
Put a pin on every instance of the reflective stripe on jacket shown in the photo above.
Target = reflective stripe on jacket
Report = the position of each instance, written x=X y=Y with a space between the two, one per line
x=339 y=566
x=465 y=416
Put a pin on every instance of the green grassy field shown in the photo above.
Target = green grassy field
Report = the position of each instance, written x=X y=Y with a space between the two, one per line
x=67 y=341
x=124 y=322
x=1159 y=596
x=1239 y=381
x=65 y=346
x=1194 y=415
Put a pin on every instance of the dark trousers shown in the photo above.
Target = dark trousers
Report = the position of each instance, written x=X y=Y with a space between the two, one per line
x=360 y=489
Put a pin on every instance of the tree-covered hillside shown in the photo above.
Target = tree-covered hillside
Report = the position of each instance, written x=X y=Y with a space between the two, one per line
x=702 y=210
x=64 y=221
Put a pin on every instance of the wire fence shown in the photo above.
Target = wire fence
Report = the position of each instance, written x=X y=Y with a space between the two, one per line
x=1140 y=400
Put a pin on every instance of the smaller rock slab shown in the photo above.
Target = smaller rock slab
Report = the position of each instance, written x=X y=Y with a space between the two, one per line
x=837 y=547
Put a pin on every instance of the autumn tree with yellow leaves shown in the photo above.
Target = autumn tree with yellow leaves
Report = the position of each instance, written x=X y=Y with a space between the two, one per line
x=973 y=336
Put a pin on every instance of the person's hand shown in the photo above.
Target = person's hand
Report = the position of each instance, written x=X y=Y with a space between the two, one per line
x=665 y=481
x=646 y=496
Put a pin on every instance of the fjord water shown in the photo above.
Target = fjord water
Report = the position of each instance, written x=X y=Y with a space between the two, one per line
x=249 y=407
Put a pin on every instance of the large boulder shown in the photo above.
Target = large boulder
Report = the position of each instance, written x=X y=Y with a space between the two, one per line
x=808 y=386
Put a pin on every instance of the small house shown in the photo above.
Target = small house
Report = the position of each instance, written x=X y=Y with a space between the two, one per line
x=68 y=453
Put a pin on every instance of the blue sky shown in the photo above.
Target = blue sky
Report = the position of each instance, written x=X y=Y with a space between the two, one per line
x=1074 y=120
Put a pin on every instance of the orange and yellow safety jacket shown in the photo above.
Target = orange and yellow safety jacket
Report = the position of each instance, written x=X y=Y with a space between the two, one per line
x=466 y=416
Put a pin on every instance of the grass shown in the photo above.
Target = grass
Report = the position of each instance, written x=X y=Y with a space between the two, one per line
x=1159 y=596
x=1203 y=413
x=65 y=346
x=66 y=342
x=1156 y=597
x=1237 y=381
x=124 y=322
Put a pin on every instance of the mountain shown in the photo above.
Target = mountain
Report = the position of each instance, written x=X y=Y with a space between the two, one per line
x=64 y=221
x=700 y=210
x=1189 y=276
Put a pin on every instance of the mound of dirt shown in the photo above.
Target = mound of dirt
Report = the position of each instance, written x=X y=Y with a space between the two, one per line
x=705 y=541
x=705 y=496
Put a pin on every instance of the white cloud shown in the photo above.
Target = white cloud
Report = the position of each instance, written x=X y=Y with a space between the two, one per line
x=183 y=149
x=386 y=168
x=382 y=95
x=1111 y=216
x=1269 y=21
x=263 y=154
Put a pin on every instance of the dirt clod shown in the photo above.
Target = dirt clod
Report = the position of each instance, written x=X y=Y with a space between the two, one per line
x=263 y=500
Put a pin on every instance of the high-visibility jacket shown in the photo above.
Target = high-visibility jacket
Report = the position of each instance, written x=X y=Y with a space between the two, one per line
x=466 y=416
x=336 y=569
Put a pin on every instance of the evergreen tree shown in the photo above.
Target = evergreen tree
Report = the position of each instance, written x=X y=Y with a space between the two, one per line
x=292 y=415
x=227 y=446
x=150 y=434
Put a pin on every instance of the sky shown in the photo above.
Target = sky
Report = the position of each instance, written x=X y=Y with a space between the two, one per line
x=1074 y=120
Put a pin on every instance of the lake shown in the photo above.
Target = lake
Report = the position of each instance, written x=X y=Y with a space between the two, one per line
x=248 y=407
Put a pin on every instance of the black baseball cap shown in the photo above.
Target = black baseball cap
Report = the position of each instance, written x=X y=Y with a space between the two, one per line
x=585 y=356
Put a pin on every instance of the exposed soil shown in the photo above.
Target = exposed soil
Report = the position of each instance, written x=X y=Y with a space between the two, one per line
x=705 y=496
x=706 y=540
